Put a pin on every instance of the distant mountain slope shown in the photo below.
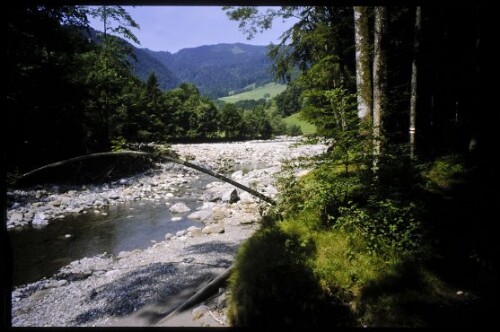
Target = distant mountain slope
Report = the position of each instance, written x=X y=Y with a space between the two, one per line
x=146 y=64
x=214 y=69
x=218 y=69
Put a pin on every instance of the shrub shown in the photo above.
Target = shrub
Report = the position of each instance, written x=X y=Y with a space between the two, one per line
x=294 y=130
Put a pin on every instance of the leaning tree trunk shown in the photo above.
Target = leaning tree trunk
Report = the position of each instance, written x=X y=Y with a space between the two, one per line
x=363 y=72
x=414 y=71
x=379 y=80
x=163 y=156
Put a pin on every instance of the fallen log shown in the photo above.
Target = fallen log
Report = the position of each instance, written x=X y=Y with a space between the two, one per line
x=164 y=156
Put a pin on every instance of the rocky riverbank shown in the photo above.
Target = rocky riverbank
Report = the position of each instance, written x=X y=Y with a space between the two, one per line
x=104 y=290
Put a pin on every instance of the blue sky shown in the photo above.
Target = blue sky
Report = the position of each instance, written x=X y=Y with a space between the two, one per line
x=171 y=28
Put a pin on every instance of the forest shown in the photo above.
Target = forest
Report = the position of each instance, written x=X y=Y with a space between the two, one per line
x=394 y=224
x=71 y=90
x=394 y=221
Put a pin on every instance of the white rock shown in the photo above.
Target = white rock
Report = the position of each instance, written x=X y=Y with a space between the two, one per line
x=194 y=231
x=114 y=195
x=168 y=236
x=176 y=218
x=213 y=229
x=271 y=190
x=206 y=205
x=180 y=233
x=124 y=254
x=112 y=273
x=214 y=184
x=55 y=203
x=16 y=217
x=246 y=198
x=40 y=219
x=247 y=219
x=302 y=173
x=238 y=175
x=219 y=213
x=201 y=215
x=179 y=208
x=198 y=312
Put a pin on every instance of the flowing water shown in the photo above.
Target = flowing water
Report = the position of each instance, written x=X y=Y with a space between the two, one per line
x=39 y=253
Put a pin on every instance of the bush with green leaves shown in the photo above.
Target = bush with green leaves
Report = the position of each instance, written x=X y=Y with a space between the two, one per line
x=387 y=226
x=294 y=130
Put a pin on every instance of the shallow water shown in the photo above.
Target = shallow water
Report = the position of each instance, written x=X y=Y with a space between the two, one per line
x=39 y=253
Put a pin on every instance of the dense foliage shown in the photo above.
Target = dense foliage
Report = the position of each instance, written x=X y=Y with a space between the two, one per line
x=383 y=224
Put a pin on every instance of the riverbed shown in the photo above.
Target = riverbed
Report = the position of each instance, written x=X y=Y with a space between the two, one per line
x=118 y=248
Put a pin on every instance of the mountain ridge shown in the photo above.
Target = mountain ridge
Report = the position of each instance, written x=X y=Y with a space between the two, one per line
x=215 y=69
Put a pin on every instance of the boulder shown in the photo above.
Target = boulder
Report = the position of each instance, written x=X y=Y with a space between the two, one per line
x=211 y=196
x=247 y=219
x=213 y=229
x=230 y=196
x=219 y=213
x=238 y=175
x=16 y=217
x=201 y=215
x=194 y=231
x=271 y=190
x=55 y=203
x=180 y=233
x=198 y=312
x=246 y=198
x=179 y=208
x=125 y=254
x=168 y=236
x=40 y=219
x=206 y=205
x=114 y=195
x=56 y=283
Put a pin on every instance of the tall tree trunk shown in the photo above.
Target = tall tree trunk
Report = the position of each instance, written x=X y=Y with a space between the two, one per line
x=363 y=72
x=379 y=79
x=414 y=71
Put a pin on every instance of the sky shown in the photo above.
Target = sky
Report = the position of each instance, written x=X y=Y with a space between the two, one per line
x=171 y=28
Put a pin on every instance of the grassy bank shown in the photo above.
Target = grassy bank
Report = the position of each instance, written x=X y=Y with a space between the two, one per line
x=340 y=253
x=306 y=127
x=267 y=91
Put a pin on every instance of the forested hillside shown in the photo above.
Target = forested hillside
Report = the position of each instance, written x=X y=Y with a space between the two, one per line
x=218 y=69
x=145 y=64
